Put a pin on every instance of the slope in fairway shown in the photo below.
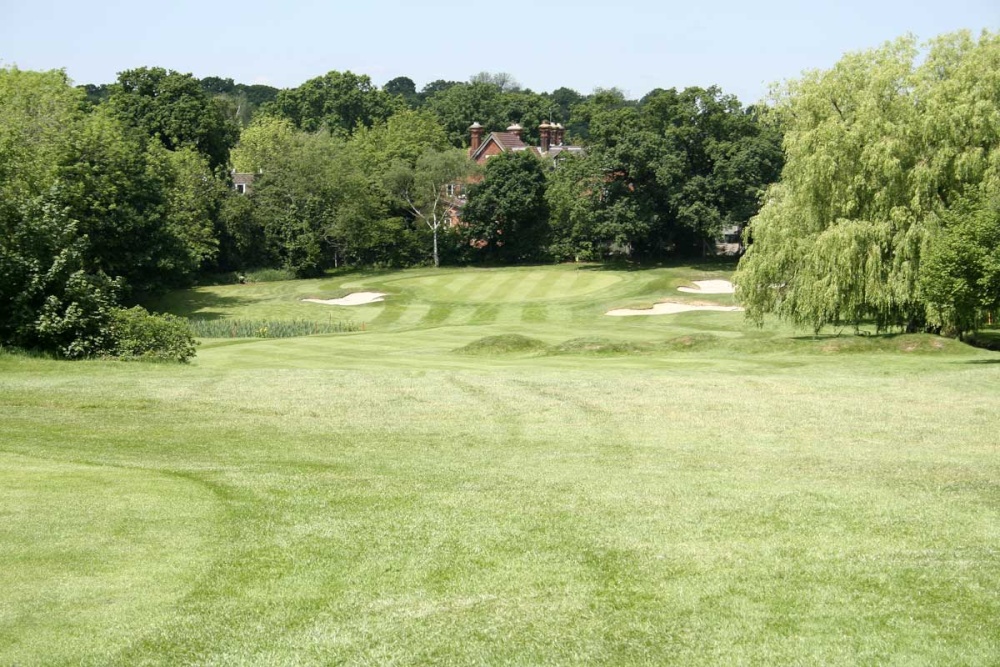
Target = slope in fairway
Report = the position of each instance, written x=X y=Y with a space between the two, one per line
x=676 y=490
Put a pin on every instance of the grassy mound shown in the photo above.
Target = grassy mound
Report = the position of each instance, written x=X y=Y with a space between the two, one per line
x=504 y=344
x=886 y=343
x=691 y=342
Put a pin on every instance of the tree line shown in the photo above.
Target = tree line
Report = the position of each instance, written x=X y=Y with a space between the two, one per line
x=878 y=180
x=112 y=193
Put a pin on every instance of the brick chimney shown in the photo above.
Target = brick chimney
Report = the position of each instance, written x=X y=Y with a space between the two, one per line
x=545 y=135
x=476 y=137
x=516 y=129
x=557 y=134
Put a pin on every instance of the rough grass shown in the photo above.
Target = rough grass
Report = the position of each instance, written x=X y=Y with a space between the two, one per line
x=374 y=498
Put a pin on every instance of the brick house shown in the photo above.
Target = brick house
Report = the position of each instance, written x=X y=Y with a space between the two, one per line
x=550 y=143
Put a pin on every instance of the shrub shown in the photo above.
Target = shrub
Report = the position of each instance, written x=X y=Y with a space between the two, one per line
x=138 y=334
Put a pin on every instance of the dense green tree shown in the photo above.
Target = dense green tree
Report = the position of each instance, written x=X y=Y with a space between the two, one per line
x=316 y=205
x=336 y=101
x=118 y=192
x=403 y=87
x=263 y=143
x=96 y=94
x=193 y=202
x=459 y=105
x=214 y=85
x=879 y=149
x=562 y=100
x=960 y=267
x=405 y=136
x=506 y=215
x=174 y=108
x=573 y=194
x=61 y=170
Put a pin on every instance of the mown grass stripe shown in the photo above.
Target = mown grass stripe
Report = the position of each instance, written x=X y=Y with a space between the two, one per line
x=389 y=315
x=437 y=314
x=504 y=286
x=486 y=314
x=412 y=314
x=457 y=284
x=571 y=284
x=535 y=284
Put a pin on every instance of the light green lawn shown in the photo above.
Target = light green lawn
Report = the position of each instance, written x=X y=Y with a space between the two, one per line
x=713 y=495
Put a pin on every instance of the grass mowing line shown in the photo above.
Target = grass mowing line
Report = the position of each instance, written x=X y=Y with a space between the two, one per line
x=502 y=287
x=534 y=285
x=413 y=313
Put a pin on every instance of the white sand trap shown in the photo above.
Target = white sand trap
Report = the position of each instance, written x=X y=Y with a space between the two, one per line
x=709 y=287
x=670 y=308
x=356 y=299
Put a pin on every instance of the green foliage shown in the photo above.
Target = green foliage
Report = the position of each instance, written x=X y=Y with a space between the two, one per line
x=119 y=193
x=486 y=102
x=423 y=188
x=405 y=136
x=240 y=231
x=573 y=193
x=506 y=214
x=337 y=101
x=403 y=86
x=878 y=149
x=263 y=143
x=960 y=267
x=138 y=334
x=263 y=328
x=174 y=108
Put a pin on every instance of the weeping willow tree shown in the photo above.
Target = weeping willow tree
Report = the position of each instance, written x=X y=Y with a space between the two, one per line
x=879 y=150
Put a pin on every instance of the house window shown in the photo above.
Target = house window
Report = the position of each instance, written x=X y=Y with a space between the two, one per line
x=450 y=188
x=241 y=188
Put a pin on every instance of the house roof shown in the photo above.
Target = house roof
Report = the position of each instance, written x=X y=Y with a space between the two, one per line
x=507 y=141
x=512 y=142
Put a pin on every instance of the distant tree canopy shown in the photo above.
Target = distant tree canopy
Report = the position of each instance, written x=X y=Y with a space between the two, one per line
x=664 y=176
x=337 y=101
x=174 y=108
x=886 y=210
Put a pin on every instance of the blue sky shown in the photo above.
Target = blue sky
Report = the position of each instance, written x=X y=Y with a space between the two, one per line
x=635 y=45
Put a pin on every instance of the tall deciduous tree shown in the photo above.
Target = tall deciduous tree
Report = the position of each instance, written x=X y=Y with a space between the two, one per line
x=506 y=213
x=879 y=149
x=336 y=101
x=174 y=108
x=424 y=188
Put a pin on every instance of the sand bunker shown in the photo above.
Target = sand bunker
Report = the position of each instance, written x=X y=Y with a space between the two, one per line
x=356 y=299
x=670 y=308
x=709 y=287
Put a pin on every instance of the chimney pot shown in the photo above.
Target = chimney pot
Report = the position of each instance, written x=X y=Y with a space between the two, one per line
x=476 y=137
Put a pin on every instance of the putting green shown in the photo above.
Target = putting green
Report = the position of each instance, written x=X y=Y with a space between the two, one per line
x=507 y=286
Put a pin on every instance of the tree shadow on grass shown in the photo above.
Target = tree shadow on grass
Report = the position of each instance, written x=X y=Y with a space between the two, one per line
x=197 y=304
x=707 y=265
